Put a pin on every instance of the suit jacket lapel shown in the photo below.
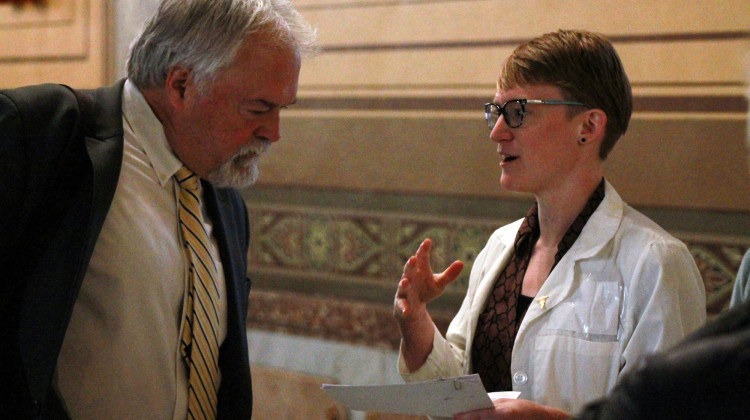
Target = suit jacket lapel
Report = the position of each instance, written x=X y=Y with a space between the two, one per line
x=230 y=241
x=101 y=114
x=229 y=216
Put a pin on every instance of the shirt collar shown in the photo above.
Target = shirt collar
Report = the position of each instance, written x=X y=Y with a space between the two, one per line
x=149 y=133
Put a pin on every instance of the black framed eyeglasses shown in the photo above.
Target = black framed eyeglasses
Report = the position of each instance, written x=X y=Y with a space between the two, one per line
x=514 y=110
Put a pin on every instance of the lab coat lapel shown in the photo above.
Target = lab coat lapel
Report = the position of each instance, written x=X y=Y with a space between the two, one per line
x=596 y=235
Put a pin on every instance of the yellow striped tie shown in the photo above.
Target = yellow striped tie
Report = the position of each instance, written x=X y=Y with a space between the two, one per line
x=200 y=343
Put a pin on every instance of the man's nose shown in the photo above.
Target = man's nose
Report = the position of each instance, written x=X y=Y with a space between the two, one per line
x=270 y=126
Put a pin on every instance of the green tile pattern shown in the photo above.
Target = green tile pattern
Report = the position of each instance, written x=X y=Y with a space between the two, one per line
x=353 y=245
x=369 y=248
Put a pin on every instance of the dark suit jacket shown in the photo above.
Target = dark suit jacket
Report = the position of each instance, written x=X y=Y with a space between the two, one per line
x=704 y=377
x=60 y=158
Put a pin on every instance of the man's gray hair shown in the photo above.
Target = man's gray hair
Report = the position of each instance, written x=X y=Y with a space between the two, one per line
x=205 y=35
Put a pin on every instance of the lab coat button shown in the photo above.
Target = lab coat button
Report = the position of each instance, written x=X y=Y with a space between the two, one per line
x=520 y=378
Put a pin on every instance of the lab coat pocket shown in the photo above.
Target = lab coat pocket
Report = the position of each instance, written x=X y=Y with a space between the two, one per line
x=578 y=344
x=593 y=311
x=588 y=368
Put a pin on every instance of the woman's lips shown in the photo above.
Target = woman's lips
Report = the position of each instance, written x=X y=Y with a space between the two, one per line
x=506 y=159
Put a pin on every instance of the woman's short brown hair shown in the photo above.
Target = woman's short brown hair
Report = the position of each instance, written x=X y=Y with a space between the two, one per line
x=586 y=68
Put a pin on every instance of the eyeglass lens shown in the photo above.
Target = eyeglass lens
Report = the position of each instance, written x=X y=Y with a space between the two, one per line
x=512 y=112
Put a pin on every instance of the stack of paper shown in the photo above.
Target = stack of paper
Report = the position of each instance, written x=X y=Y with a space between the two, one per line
x=438 y=398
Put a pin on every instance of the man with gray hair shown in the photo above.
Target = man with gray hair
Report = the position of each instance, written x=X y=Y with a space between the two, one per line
x=124 y=241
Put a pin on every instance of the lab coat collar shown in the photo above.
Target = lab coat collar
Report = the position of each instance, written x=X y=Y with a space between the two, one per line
x=599 y=231
x=601 y=227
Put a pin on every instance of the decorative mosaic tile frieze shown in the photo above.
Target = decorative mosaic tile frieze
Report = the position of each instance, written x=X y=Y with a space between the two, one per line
x=331 y=272
x=368 y=247
x=718 y=263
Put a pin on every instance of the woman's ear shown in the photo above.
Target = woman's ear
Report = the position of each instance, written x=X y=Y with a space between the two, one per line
x=593 y=125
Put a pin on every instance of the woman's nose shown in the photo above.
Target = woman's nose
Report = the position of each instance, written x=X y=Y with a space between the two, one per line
x=500 y=131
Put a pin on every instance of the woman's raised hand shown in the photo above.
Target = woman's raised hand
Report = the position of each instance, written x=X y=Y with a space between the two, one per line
x=419 y=285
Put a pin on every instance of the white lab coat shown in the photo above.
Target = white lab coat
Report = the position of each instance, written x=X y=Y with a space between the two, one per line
x=625 y=288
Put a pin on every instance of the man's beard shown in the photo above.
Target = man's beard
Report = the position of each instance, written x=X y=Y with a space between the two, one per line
x=241 y=169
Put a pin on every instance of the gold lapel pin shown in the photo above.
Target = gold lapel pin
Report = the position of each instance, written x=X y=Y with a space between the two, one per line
x=542 y=301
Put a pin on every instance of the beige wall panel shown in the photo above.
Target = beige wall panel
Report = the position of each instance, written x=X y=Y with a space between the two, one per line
x=36 y=30
x=61 y=41
x=441 y=68
x=690 y=163
x=426 y=155
x=389 y=43
x=368 y=22
x=687 y=64
x=78 y=74
x=679 y=67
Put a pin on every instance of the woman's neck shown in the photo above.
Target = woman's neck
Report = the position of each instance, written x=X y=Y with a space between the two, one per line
x=559 y=208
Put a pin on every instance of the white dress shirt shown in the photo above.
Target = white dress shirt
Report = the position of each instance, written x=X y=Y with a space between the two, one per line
x=121 y=354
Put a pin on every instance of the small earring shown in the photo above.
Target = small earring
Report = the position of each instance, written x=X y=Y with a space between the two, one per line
x=582 y=140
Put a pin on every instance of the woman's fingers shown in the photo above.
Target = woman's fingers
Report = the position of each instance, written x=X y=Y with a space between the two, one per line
x=402 y=307
x=419 y=276
x=451 y=273
x=410 y=268
x=423 y=255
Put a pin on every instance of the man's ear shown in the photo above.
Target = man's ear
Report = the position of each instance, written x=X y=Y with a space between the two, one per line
x=593 y=125
x=178 y=79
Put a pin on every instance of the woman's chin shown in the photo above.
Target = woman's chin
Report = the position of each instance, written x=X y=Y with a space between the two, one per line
x=508 y=184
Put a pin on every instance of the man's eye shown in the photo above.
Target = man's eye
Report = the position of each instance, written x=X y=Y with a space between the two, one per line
x=256 y=110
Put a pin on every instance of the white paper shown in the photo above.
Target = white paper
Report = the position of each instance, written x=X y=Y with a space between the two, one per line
x=504 y=394
x=441 y=397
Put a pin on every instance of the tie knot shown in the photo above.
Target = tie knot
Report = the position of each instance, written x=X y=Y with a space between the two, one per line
x=187 y=178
